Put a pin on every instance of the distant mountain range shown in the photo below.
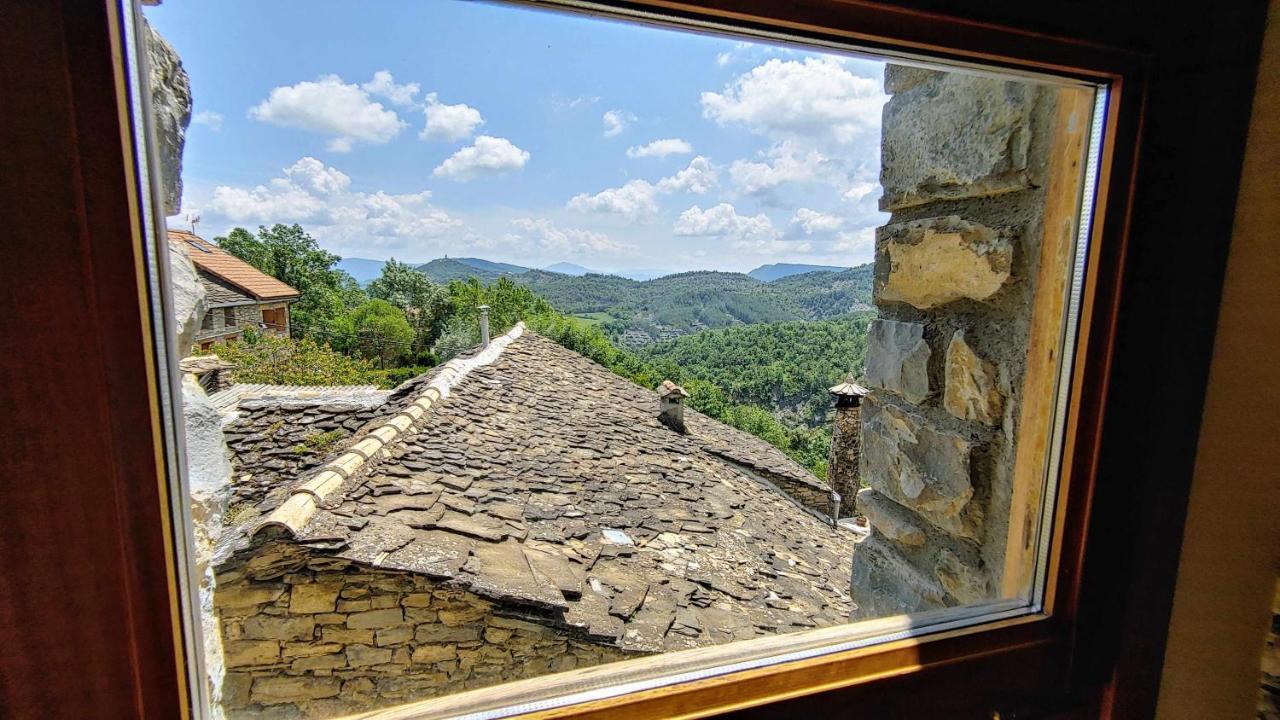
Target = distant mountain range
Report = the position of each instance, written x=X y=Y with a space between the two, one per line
x=655 y=306
x=568 y=268
x=362 y=269
x=769 y=273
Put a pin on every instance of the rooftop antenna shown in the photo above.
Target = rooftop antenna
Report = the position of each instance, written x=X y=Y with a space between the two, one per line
x=194 y=219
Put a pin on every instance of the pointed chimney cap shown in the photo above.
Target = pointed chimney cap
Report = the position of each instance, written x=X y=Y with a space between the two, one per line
x=669 y=390
x=849 y=389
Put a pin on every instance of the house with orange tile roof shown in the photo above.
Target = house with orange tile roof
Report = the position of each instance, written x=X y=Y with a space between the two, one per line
x=237 y=295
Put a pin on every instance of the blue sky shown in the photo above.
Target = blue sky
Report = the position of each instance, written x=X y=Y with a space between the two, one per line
x=416 y=129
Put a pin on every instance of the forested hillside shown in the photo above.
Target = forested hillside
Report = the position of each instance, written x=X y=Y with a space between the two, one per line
x=786 y=367
x=638 y=313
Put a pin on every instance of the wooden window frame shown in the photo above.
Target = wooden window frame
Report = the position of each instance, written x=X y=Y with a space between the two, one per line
x=100 y=601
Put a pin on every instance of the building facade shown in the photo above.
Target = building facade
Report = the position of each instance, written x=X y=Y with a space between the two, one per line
x=238 y=296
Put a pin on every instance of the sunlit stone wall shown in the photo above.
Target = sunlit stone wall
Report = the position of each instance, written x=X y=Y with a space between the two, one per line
x=964 y=163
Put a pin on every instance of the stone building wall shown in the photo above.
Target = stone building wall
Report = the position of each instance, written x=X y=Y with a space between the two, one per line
x=247 y=316
x=964 y=169
x=310 y=636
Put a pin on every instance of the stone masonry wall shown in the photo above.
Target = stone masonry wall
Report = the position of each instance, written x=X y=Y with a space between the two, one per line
x=310 y=636
x=964 y=161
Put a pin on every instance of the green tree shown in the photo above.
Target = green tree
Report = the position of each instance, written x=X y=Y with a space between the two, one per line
x=289 y=254
x=244 y=245
x=282 y=361
x=380 y=331
x=425 y=304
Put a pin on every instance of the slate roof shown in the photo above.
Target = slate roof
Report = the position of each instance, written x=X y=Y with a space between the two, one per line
x=235 y=274
x=545 y=482
x=270 y=425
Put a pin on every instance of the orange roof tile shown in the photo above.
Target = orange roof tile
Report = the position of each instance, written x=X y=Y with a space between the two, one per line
x=229 y=268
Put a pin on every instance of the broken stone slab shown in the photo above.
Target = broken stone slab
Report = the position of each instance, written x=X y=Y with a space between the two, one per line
x=898 y=359
x=971 y=391
x=916 y=465
x=938 y=260
x=951 y=135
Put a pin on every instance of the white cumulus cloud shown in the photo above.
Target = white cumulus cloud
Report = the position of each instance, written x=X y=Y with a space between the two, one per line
x=332 y=107
x=384 y=85
x=660 y=148
x=319 y=197
x=635 y=200
x=638 y=199
x=615 y=121
x=812 y=221
x=487 y=156
x=208 y=118
x=859 y=190
x=723 y=220
x=554 y=240
x=317 y=178
x=783 y=163
x=698 y=178
x=800 y=98
x=449 y=122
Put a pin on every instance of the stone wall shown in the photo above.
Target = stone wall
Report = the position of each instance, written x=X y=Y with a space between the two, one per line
x=247 y=316
x=312 y=636
x=964 y=167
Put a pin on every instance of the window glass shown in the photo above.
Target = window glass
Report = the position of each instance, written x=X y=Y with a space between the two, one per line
x=586 y=342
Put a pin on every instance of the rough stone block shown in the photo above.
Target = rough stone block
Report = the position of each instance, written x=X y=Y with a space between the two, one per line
x=434 y=653
x=938 y=260
x=885 y=583
x=236 y=688
x=462 y=615
x=266 y=627
x=376 y=618
x=951 y=135
x=964 y=582
x=416 y=600
x=364 y=655
x=314 y=597
x=889 y=519
x=438 y=633
x=346 y=635
x=243 y=653
x=297 y=650
x=394 y=635
x=901 y=78
x=972 y=389
x=275 y=690
x=247 y=595
x=898 y=359
x=332 y=661
x=916 y=465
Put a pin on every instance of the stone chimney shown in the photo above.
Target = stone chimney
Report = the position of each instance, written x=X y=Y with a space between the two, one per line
x=671 y=405
x=484 y=325
x=846 y=446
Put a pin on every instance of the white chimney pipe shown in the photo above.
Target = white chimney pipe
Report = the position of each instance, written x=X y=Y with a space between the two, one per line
x=484 y=326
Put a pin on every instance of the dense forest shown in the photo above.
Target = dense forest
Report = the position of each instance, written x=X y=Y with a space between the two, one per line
x=786 y=367
x=765 y=373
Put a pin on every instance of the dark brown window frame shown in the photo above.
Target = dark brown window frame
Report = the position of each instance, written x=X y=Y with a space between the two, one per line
x=98 y=602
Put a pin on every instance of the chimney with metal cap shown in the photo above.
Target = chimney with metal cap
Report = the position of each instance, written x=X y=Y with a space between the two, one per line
x=484 y=325
x=846 y=447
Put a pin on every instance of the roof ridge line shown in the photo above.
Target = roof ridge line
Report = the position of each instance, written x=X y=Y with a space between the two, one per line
x=304 y=499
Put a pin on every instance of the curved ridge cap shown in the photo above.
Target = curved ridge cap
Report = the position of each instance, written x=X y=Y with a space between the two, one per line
x=295 y=512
